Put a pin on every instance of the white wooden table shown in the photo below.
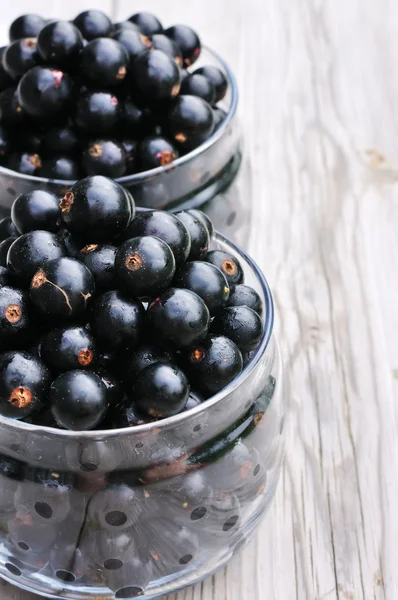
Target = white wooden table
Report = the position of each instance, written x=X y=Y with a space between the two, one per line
x=319 y=105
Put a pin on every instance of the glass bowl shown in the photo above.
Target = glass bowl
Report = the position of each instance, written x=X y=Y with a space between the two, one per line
x=201 y=179
x=144 y=511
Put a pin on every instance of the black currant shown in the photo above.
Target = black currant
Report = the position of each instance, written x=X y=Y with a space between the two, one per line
x=219 y=117
x=60 y=43
x=244 y=295
x=198 y=85
x=105 y=157
x=203 y=217
x=117 y=320
x=5 y=277
x=14 y=314
x=62 y=141
x=131 y=150
x=26 y=26
x=68 y=348
x=133 y=41
x=160 y=391
x=217 y=78
x=93 y=24
x=194 y=400
x=126 y=416
x=136 y=121
x=7 y=229
x=228 y=264
x=97 y=112
x=36 y=209
x=200 y=237
x=168 y=46
x=99 y=206
x=104 y=62
x=5 y=79
x=207 y=281
x=134 y=362
x=179 y=318
x=27 y=140
x=62 y=288
x=241 y=324
x=157 y=75
x=32 y=250
x=11 y=110
x=60 y=167
x=45 y=92
x=78 y=400
x=156 y=152
x=28 y=164
x=187 y=40
x=129 y=25
x=214 y=363
x=147 y=23
x=4 y=142
x=24 y=384
x=190 y=121
x=20 y=56
x=72 y=245
x=5 y=245
x=100 y=260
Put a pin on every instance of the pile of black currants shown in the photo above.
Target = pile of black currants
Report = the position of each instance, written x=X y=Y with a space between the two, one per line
x=111 y=319
x=92 y=97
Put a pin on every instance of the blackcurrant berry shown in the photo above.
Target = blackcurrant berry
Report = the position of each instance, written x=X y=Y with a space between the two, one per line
x=7 y=229
x=46 y=92
x=165 y=226
x=104 y=62
x=156 y=152
x=217 y=78
x=207 y=281
x=168 y=46
x=78 y=400
x=20 y=56
x=24 y=384
x=5 y=245
x=62 y=288
x=134 y=362
x=244 y=295
x=157 y=75
x=28 y=140
x=14 y=314
x=126 y=416
x=198 y=85
x=98 y=112
x=100 y=260
x=214 y=363
x=160 y=391
x=228 y=264
x=99 y=206
x=4 y=142
x=241 y=324
x=190 y=121
x=203 y=217
x=60 y=43
x=219 y=117
x=61 y=141
x=114 y=387
x=60 y=167
x=26 y=26
x=136 y=121
x=105 y=157
x=125 y=25
x=36 y=209
x=93 y=24
x=200 y=237
x=179 y=318
x=30 y=251
x=133 y=41
x=187 y=40
x=28 y=164
x=11 y=110
x=117 y=320
x=68 y=348
x=147 y=23
x=194 y=400
x=72 y=245
x=5 y=277
x=131 y=150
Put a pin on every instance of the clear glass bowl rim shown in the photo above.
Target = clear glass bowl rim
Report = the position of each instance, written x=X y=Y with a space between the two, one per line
x=144 y=175
x=176 y=419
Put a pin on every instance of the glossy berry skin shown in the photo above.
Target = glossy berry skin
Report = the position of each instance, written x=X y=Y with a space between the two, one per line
x=178 y=318
x=117 y=320
x=156 y=152
x=7 y=229
x=28 y=164
x=104 y=62
x=24 y=384
x=160 y=391
x=187 y=40
x=244 y=295
x=61 y=141
x=147 y=23
x=126 y=416
x=11 y=111
x=240 y=324
x=20 y=56
x=198 y=85
x=194 y=400
x=93 y=24
x=68 y=348
x=136 y=121
x=200 y=237
x=5 y=245
x=217 y=78
x=62 y=288
x=207 y=281
x=145 y=266
x=168 y=46
x=190 y=121
x=157 y=75
x=72 y=245
x=46 y=92
x=5 y=279
x=99 y=206
x=134 y=42
x=113 y=385
x=36 y=209
x=213 y=363
x=228 y=264
x=100 y=260
x=60 y=43
x=30 y=251
x=60 y=167
x=98 y=112
x=14 y=314
x=105 y=157
x=26 y=26
x=126 y=25
x=219 y=117
x=165 y=226
x=203 y=217
x=78 y=400
x=147 y=354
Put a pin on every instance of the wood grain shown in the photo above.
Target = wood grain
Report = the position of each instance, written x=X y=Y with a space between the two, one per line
x=319 y=98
